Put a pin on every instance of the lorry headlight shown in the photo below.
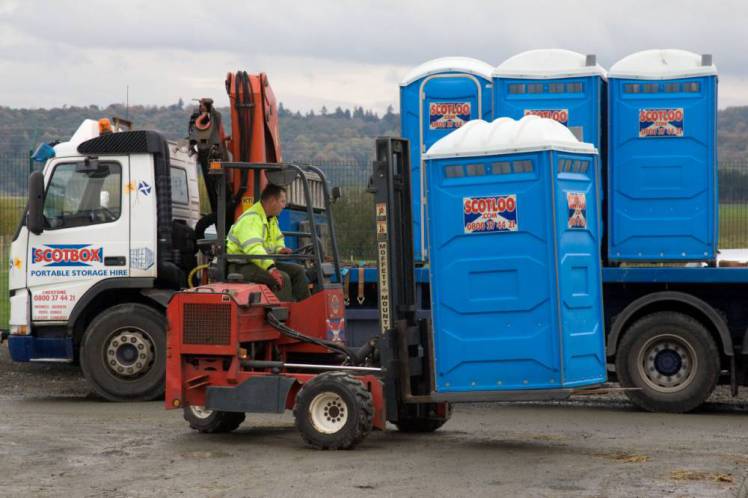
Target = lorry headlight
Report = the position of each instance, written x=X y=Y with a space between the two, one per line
x=19 y=330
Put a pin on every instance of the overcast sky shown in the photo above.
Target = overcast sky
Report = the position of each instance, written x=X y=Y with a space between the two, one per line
x=327 y=52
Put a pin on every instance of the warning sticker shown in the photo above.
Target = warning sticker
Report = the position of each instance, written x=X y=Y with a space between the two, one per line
x=448 y=115
x=560 y=115
x=577 y=203
x=381 y=210
x=490 y=214
x=661 y=122
x=381 y=230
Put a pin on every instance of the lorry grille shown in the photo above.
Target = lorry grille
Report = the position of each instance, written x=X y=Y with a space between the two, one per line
x=207 y=324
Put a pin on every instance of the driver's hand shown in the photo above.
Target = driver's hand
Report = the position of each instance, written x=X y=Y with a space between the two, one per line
x=276 y=274
x=285 y=250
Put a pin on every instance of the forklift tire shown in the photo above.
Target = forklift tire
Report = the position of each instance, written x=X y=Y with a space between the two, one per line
x=333 y=411
x=212 y=421
x=423 y=424
x=672 y=359
x=123 y=353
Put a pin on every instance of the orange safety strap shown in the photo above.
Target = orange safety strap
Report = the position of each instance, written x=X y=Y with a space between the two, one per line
x=360 y=297
x=347 y=288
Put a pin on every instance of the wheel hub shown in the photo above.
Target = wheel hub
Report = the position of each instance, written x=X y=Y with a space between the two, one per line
x=129 y=353
x=200 y=411
x=328 y=412
x=667 y=363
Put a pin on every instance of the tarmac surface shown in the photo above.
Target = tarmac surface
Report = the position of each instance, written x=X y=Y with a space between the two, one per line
x=57 y=439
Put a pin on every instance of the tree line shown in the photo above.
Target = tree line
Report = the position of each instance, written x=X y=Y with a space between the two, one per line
x=341 y=135
x=323 y=135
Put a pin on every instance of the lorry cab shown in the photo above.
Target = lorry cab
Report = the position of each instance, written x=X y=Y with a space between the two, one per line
x=113 y=232
x=109 y=235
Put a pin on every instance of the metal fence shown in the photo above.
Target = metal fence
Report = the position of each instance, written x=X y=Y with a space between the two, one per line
x=14 y=172
x=354 y=212
x=733 y=205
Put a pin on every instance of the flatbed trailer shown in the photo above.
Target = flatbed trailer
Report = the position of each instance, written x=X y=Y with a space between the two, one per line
x=672 y=332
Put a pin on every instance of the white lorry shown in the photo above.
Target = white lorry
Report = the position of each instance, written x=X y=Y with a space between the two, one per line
x=106 y=239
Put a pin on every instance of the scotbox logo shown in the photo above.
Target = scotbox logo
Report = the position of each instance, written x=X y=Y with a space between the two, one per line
x=67 y=255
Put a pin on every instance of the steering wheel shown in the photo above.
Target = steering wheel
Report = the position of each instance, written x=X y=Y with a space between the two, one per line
x=101 y=214
x=110 y=215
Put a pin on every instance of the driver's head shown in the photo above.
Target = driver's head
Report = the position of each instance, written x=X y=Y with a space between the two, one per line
x=273 y=199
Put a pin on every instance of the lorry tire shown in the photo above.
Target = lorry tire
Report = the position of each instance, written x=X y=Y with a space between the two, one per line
x=123 y=353
x=333 y=411
x=212 y=421
x=672 y=359
x=424 y=423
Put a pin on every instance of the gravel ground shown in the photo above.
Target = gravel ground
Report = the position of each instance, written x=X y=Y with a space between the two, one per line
x=57 y=438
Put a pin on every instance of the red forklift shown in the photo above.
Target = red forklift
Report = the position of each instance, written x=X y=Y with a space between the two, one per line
x=234 y=348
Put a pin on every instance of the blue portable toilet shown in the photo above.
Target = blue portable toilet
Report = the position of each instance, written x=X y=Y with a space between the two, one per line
x=513 y=217
x=662 y=157
x=436 y=98
x=566 y=86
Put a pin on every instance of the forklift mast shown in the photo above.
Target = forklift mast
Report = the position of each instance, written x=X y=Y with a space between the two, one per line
x=404 y=343
x=391 y=185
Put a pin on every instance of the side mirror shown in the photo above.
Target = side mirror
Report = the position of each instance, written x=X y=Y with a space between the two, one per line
x=336 y=194
x=35 y=218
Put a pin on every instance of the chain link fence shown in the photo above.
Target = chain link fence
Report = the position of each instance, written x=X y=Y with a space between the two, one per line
x=14 y=173
x=354 y=211
x=733 y=205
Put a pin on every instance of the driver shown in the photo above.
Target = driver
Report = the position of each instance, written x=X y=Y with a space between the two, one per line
x=256 y=233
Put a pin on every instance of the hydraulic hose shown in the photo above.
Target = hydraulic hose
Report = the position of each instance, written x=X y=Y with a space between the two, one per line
x=193 y=273
x=289 y=332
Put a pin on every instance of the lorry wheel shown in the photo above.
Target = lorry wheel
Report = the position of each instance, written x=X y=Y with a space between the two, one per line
x=424 y=423
x=123 y=353
x=212 y=421
x=672 y=359
x=333 y=411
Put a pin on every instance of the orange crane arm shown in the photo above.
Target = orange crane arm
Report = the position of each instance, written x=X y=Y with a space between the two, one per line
x=255 y=132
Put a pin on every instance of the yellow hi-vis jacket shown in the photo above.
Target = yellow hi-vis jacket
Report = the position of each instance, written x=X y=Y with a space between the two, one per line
x=255 y=235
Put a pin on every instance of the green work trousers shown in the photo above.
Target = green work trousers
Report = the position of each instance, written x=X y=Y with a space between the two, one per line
x=295 y=285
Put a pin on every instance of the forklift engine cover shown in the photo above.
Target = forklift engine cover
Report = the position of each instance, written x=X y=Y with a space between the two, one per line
x=514 y=240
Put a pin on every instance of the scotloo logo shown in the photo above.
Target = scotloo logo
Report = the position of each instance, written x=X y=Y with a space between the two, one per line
x=448 y=115
x=490 y=214
x=560 y=115
x=67 y=255
x=661 y=122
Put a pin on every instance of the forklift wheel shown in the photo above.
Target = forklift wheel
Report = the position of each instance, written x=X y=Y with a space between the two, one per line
x=428 y=423
x=212 y=421
x=333 y=411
